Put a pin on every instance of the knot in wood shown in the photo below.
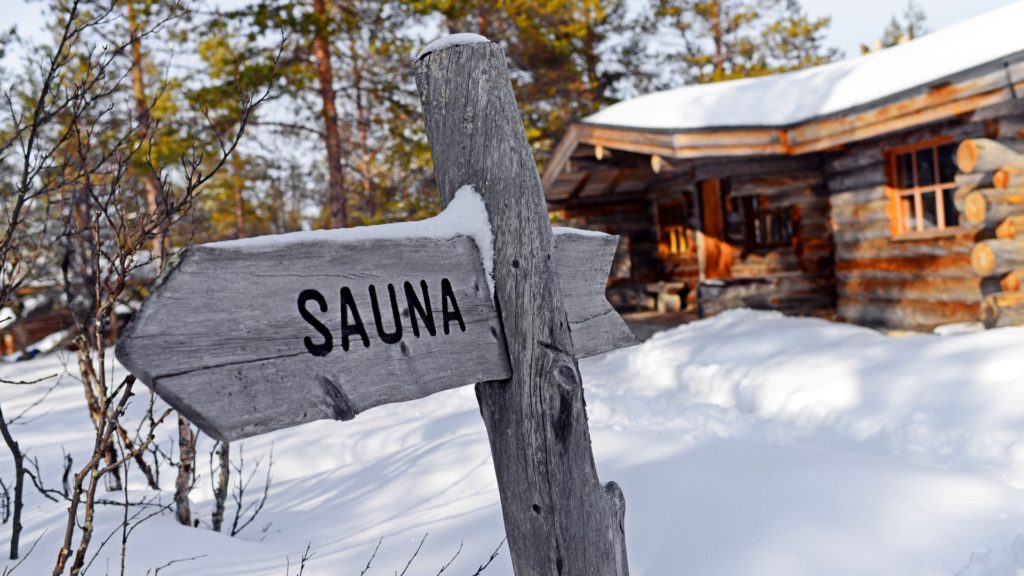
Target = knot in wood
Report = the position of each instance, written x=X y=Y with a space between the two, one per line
x=564 y=381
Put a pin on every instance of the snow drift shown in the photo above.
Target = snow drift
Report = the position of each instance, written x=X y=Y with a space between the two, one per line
x=748 y=444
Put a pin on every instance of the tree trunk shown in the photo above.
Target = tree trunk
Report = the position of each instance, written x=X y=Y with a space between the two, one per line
x=183 y=482
x=150 y=186
x=370 y=203
x=336 y=198
x=220 y=487
x=559 y=519
x=716 y=33
x=239 y=209
x=19 y=482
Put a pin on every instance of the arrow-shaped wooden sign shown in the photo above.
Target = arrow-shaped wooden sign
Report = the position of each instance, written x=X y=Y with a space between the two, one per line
x=244 y=337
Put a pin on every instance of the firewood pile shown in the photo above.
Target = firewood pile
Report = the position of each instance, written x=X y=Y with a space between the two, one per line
x=991 y=199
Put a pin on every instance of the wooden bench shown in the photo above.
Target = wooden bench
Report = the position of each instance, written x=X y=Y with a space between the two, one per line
x=667 y=295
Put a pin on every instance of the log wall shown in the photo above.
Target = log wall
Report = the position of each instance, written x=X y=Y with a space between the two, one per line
x=914 y=283
x=638 y=263
x=795 y=278
x=844 y=261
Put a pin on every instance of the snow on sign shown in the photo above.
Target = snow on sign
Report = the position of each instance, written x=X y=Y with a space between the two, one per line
x=248 y=336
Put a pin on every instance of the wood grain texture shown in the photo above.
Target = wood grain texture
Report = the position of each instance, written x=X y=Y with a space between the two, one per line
x=223 y=341
x=991 y=257
x=581 y=264
x=559 y=519
x=222 y=338
x=986 y=155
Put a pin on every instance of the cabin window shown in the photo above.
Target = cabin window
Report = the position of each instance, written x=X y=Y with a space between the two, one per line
x=765 y=226
x=922 y=181
x=674 y=236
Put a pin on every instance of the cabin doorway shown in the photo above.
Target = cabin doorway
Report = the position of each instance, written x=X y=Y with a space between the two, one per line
x=716 y=262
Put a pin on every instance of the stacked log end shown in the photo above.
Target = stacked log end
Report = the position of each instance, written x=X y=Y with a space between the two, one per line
x=992 y=257
x=1007 y=176
x=989 y=207
x=1010 y=228
x=985 y=155
x=992 y=198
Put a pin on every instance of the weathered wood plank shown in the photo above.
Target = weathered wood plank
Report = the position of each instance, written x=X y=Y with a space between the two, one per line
x=710 y=170
x=873 y=151
x=859 y=196
x=224 y=338
x=225 y=319
x=922 y=289
x=582 y=263
x=960 y=243
x=558 y=518
x=858 y=178
x=905 y=314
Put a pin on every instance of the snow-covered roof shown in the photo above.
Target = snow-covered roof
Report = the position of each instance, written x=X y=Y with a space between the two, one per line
x=786 y=99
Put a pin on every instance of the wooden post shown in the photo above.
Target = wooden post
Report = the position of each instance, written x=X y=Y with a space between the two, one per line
x=559 y=519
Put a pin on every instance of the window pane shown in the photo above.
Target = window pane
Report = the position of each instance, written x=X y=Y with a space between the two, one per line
x=952 y=214
x=907 y=212
x=677 y=240
x=925 y=167
x=905 y=170
x=749 y=219
x=787 y=227
x=929 y=211
x=947 y=163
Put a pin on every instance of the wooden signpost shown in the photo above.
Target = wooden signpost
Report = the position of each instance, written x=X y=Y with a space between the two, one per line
x=244 y=337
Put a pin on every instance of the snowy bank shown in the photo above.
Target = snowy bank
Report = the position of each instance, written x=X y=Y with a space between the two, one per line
x=748 y=444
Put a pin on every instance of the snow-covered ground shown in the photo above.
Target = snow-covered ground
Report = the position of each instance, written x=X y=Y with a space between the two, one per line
x=748 y=444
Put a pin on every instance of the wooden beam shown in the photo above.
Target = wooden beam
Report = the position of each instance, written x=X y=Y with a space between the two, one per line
x=559 y=519
x=560 y=156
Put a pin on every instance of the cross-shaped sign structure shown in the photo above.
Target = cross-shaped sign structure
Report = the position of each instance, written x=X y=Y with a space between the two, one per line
x=248 y=336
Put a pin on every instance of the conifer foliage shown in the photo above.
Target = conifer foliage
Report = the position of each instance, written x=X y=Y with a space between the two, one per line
x=726 y=39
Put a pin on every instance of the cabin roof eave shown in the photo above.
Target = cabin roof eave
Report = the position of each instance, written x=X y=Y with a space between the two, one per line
x=961 y=94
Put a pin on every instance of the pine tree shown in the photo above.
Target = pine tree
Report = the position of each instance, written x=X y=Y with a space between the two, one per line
x=911 y=26
x=726 y=39
x=350 y=63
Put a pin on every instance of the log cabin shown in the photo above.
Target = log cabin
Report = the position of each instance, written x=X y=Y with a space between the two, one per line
x=885 y=190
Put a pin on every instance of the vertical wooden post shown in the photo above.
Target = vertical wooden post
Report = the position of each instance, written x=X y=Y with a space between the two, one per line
x=558 y=517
